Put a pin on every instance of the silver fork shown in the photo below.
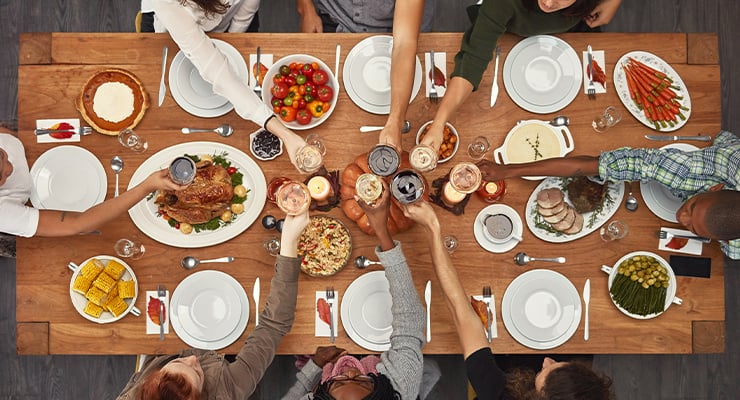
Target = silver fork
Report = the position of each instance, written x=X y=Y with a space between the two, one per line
x=433 y=97
x=666 y=235
x=258 y=86
x=591 y=89
x=162 y=296
x=487 y=300
x=330 y=300
x=84 y=130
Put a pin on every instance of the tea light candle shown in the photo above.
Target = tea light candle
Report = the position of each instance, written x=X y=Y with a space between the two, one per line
x=319 y=187
x=451 y=196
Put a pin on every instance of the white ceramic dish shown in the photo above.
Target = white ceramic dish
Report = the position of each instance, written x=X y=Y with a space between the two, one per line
x=454 y=132
x=534 y=140
x=209 y=310
x=195 y=95
x=479 y=227
x=252 y=136
x=541 y=309
x=68 y=178
x=366 y=74
x=300 y=58
x=366 y=311
x=651 y=60
x=670 y=291
x=591 y=221
x=144 y=213
x=658 y=198
x=79 y=301
x=542 y=74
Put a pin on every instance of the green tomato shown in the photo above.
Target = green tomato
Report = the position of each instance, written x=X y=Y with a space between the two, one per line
x=300 y=79
x=288 y=101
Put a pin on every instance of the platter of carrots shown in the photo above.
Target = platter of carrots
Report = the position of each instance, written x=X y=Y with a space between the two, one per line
x=652 y=91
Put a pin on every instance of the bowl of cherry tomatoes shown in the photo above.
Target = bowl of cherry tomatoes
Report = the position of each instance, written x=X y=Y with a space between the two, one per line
x=450 y=141
x=301 y=90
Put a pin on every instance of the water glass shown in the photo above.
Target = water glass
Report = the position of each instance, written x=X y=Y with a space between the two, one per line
x=132 y=140
x=450 y=242
x=615 y=230
x=310 y=157
x=128 y=248
x=272 y=245
x=610 y=117
x=478 y=147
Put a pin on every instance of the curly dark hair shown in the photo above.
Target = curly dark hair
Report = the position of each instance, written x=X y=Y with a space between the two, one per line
x=210 y=6
x=580 y=9
x=572 y=381
x=382 y=390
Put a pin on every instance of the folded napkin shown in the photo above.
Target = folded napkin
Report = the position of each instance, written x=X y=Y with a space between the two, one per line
x=598 y=57
x=152 y=312
x=53 y=124
x=440 y=62
x=322 y=327
x=688 y=246
x=266 y=61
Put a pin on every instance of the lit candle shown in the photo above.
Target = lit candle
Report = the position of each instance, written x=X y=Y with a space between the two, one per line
x=450 y=196
x=319 y=187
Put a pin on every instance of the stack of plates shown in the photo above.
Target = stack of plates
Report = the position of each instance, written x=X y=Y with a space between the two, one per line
x=541 y=309
x=209 y=310
x=542 y=74
x=366 y=311
x=367 y=74
x=68 y=178
x=193 y=93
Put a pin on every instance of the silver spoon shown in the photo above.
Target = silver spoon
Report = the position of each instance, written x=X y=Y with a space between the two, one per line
x=560 y=120
x=224 y=130
x=631 y=202
x=116 y=164
x=190 y=262
x=523 y=259
x=363 y=262
x=405 y=129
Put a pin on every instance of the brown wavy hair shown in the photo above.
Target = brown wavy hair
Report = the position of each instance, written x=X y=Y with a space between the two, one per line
x=580 y=9
x=572 y=381
x=209 y=6
x=161 y=385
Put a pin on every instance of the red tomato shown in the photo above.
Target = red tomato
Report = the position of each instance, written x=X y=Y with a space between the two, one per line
x=280 y=90
x=277 y=79
x=320 y=77
x=231 y=170
x=290 y=81
x=301 y=102
x=324 y=93
x=303 y=117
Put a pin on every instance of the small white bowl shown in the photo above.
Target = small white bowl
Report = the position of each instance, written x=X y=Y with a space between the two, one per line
x=252 y=137
x=454 y=132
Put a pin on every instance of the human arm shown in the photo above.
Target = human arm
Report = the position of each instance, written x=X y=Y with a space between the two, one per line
x=310 y=20
x=310 y=375
x=603 y=13
x=242 y=18
x=377 y=215
x=407 y=23
x=54 y=223
x=570 y=166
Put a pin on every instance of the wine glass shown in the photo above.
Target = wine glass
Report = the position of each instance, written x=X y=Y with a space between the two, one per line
x=615 y=230
x=310 y=157
x=132 y=140
x=128 y=248
x=478 y=147
x=610 y=117
x=465 y=177
x=450 y=242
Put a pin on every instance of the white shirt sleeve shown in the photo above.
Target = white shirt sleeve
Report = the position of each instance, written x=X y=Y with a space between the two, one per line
x=245 y=15
x=213 y=65
x=18 y=219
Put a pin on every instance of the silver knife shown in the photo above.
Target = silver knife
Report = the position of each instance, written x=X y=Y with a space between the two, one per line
x=700 y=138
x=428 y=300
x=590 y=64
x=494 y=87
x=586 y=301
x=259 y=67
x=162 y=87
x=256 y=297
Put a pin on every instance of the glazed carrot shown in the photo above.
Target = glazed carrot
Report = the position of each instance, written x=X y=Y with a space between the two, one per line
x=650 y=69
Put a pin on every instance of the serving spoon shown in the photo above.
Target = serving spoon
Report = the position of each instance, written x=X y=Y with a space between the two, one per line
x=363 y=262
x=560 y=120
x=405 y=129
x=224 y=130
x=116 y=164
x=523 y=259
x=191 y=262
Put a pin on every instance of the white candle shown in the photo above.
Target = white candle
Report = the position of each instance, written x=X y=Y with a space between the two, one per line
x=319 y=187
x=451 y=196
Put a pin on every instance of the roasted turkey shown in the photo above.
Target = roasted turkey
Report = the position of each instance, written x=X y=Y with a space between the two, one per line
x=206 y=198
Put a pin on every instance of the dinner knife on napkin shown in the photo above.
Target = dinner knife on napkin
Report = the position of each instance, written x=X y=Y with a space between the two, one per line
x=700 y=138
x=586 y=300
x=162 y=87
x=494 y=87
x=428 y=301
x=256 y=297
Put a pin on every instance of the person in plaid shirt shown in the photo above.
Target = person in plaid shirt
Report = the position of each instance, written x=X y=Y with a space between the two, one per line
x=707 y=180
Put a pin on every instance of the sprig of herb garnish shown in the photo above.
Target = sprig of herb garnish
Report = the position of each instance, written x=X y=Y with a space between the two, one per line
x=536 y=146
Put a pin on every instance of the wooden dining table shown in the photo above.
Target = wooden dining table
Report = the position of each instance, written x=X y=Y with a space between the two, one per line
x=53 y=67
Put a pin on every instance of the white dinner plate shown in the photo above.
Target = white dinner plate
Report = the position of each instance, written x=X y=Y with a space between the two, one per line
x=592 y=220
x=366 y=311
x=541 y=309
x=651 y=60
x=79 y=301
x=144 y=213
x=542 y=74
x=479 y=226
x=658 y=198
x=209 y=310
x=193 y=93
x=366 y=74
x=68 y=178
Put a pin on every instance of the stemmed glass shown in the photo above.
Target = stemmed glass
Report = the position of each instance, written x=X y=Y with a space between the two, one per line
x=478 y=147
x=128 y=248
x=610 y=117
x=310 y=157
x=132 y=140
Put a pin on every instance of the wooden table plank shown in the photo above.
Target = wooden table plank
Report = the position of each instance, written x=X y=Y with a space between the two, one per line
x=47 y=91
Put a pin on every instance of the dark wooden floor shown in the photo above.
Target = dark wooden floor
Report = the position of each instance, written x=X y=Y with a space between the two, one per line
x=636 y=377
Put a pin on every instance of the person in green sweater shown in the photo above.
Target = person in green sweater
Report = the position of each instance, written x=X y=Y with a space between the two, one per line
x=521 y=17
